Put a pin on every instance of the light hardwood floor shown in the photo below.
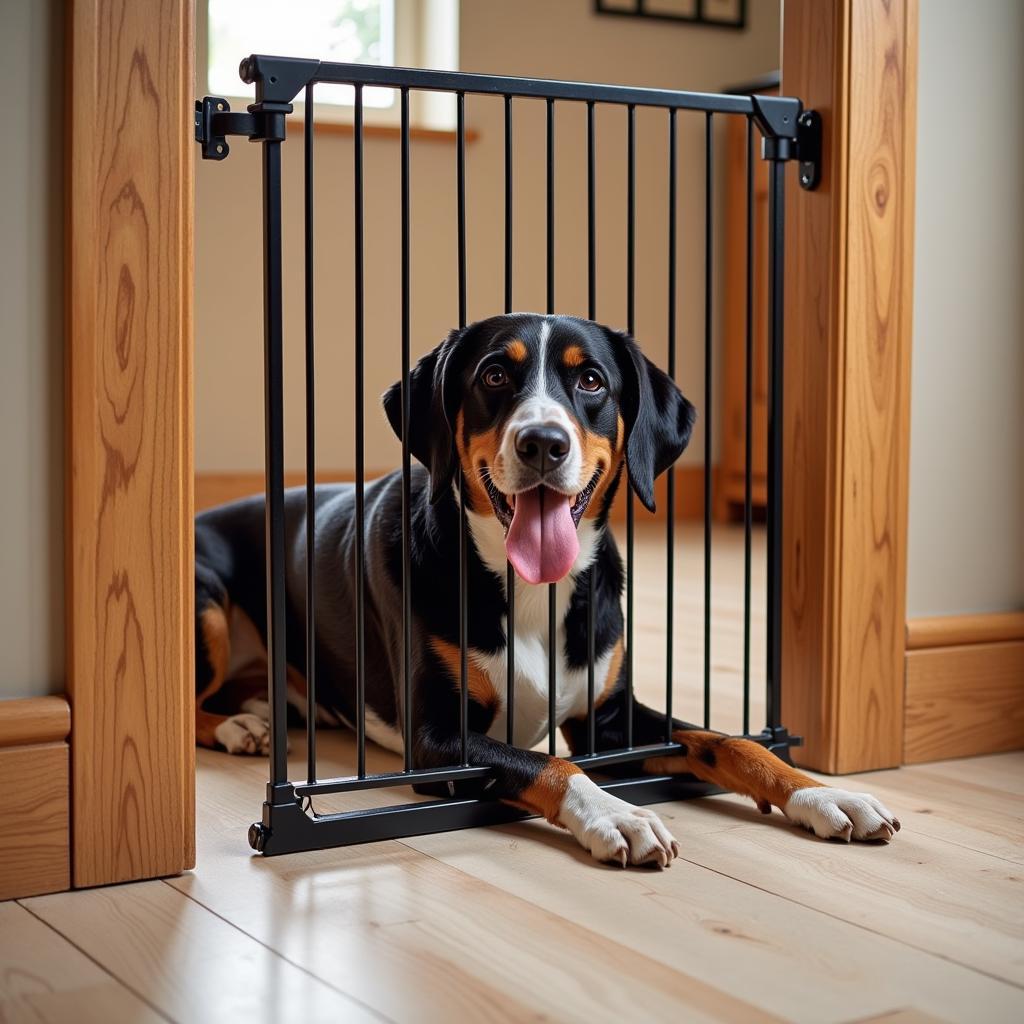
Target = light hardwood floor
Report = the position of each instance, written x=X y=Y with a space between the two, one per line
x=755 y=921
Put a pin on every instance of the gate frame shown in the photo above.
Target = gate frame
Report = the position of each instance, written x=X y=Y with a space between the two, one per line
x=788 y=133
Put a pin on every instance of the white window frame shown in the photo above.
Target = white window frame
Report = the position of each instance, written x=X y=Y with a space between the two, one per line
x=426 y=35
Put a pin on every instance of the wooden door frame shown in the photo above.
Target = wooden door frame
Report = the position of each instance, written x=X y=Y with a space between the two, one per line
x=129 y=463
x=849 y=299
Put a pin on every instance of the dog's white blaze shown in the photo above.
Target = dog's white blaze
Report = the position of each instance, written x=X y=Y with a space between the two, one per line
x=532 y=411
x=531 y=638
x=545 y=333
x=539 y=407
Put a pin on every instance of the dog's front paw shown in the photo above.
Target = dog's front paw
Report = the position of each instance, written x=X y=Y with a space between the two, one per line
x=613 y=830
x=244 y=734
x=837 y=814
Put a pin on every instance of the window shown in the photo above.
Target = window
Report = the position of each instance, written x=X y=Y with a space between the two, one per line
x=412 y=33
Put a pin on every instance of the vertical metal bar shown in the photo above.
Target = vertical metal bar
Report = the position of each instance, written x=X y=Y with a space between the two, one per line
x=463 y=520
x=591 y=315
x=463 y=622
x=670 y=526
x=274 y=427
x=631 y=327
x=777 y=193
x=360 y=566
x=508 y=204
x=510 y=573
x=708 y=299
x=591 y=214
x=748 y=403
x=552 y=595
x=310 y=448
x=406 y=463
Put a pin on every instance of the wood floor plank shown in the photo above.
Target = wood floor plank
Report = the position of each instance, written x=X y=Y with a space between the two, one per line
x=802 y=964
x=189 y=963
x=1003 y=773
x=948 y=900
x=44 y=978
x=419 y=940
x=961 y=809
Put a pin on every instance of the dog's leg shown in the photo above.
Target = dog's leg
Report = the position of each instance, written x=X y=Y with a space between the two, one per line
x=243 y=733
x=607 y=827
x=744 y=767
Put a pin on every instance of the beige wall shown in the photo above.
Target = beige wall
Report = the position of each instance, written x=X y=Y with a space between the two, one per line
x=966 y=546
x=31 y=350
x=530 y=37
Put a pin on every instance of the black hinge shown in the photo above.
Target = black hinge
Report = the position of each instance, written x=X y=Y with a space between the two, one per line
x=790 y=133
x=808 y=149
x=215 y=121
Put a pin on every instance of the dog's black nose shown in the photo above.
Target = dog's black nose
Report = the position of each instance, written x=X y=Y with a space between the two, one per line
x=542 y=447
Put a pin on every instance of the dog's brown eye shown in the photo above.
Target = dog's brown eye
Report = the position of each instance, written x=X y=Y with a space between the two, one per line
x=495 y=376
x=590 y=380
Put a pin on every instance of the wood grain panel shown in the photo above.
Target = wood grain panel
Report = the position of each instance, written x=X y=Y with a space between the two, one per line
x=848 y=302
x=813 y=68
x=965 y=700
x=129 y=485
x=876 y=377
x=951 y=630
x=34 y=824
x=34 y=720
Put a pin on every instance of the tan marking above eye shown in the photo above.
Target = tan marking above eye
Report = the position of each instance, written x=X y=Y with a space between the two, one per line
x=516 y=351
x=573 y=356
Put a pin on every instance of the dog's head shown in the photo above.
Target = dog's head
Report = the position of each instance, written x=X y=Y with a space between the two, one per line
x=540 y=412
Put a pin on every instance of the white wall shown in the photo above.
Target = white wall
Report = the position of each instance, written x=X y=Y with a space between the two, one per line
x=31 y=350
x=966 y=529
x=530 y=37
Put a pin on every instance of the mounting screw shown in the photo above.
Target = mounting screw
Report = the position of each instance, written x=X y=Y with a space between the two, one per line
x=258 y=833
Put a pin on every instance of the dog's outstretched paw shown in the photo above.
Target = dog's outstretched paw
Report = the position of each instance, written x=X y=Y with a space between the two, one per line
x=837 y=814
x=614 y=831
x=244 y=734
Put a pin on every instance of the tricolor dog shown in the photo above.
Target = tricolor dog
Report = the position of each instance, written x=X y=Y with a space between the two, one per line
x=543 y=418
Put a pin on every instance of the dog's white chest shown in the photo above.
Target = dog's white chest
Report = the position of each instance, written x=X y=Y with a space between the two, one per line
x=533 y=668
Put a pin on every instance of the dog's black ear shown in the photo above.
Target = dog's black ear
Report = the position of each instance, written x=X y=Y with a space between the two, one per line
x=658 y=418
x=431 y=420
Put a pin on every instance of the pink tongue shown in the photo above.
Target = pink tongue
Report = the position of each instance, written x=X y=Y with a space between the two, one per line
x=542 y=543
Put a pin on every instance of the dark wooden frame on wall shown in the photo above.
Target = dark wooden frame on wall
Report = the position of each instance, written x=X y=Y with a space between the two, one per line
x=849 y=298
x=129 y=536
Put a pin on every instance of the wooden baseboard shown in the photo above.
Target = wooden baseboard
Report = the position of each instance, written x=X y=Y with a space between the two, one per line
x=964 y=687
x=954 y=630
x=217 y=488
x=34 y=827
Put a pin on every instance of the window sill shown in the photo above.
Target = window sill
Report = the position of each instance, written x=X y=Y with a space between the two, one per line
x=379 y=131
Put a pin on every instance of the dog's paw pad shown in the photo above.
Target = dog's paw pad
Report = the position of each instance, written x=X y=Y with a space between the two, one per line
x=244 y=734
x=837 y=814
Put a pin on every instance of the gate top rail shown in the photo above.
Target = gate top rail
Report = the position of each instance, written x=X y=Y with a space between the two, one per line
x=279 y=80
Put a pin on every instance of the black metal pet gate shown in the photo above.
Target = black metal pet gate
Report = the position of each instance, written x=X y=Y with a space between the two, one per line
x=788 y=133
